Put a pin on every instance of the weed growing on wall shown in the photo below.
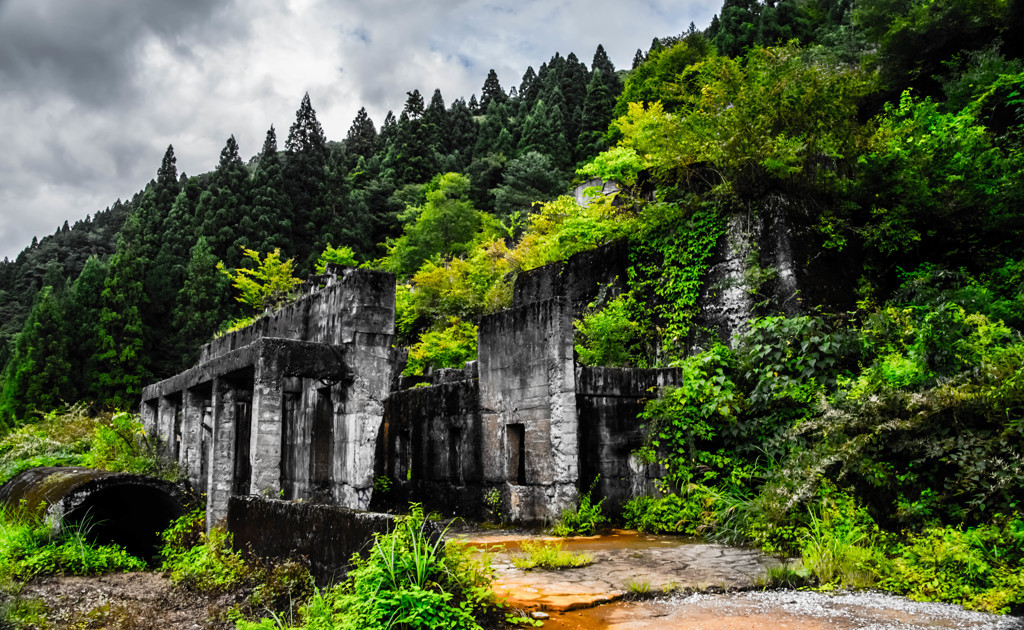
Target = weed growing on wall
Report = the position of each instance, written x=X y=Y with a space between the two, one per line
x=670 y=255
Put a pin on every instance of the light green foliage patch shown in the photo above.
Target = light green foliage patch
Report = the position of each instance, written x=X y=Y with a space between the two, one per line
x=343 y=256
x=608 y=336
x=550 y=555
x=269 y=285
x=450 y=346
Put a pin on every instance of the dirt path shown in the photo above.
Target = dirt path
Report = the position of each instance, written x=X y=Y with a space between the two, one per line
x=126 y=601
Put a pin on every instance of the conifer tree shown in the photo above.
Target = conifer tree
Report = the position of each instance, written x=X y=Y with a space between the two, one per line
x=305 y=172
x=37 y=378
x=203 y=302
x=602 y=63
x=409 y=153
x=528 y=179
x=639 y=58
x=462 y=131
x=271 y=206
x=435 y=117
x=597 y=114
x=361 y=140
x=490 y=130
x=84 y=305
x=491 y=91
x=413 y=105
x=223 y=207
x=122 y=362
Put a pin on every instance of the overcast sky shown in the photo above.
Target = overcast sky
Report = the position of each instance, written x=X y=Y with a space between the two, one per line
x=93 y=91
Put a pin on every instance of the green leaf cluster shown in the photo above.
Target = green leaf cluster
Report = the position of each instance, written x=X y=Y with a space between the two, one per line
x=269 y=285
x=449 y=346
x=29 y=549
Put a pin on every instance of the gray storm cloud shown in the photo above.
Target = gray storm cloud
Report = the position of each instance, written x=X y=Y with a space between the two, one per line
x=91 y=93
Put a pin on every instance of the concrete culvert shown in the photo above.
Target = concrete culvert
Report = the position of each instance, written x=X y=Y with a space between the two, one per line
x=120 y=508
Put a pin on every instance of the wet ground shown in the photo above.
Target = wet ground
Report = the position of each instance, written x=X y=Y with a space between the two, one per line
x=726 y=579
x=624 y=561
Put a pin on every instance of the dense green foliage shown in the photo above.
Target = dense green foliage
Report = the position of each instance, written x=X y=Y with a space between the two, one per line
x=75 y=437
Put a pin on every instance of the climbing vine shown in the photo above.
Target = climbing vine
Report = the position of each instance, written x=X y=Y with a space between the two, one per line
x=670 y=261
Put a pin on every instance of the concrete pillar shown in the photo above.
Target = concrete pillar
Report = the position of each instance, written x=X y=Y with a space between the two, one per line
x=222 y=466
x=267 y=417
x=149 y=417
x=165 y=426
x=192 y=435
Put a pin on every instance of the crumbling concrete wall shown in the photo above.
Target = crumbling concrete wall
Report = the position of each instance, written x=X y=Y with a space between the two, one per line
x=580 y=279
x=609 y=401
x=753 y=272
x=528 y=407
x=325 y=536
x=431 y=446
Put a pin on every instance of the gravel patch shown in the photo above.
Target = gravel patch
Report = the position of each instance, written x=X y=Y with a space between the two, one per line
x=870 y=610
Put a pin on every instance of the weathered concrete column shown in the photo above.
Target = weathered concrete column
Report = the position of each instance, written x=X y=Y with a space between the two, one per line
x=192 y=420
x=165 y=426
x=149 y=417
x=267 y=417
x=222 y=466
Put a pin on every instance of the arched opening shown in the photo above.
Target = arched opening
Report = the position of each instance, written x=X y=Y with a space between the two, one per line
x=131 y=515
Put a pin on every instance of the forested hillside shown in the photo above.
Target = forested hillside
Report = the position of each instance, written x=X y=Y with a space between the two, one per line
x=875 y=423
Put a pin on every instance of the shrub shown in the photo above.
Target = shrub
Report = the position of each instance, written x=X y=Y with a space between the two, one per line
x=978 y=567
x=688 y=513
x=607 y=336
x=120 y=444
x=450 y=346
x=584 y=519
x=203 y=561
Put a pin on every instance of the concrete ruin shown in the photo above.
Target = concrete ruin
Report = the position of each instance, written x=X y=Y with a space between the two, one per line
x=307 y=403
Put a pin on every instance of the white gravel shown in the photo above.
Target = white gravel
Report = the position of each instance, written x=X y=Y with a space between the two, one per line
x=870 y=610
